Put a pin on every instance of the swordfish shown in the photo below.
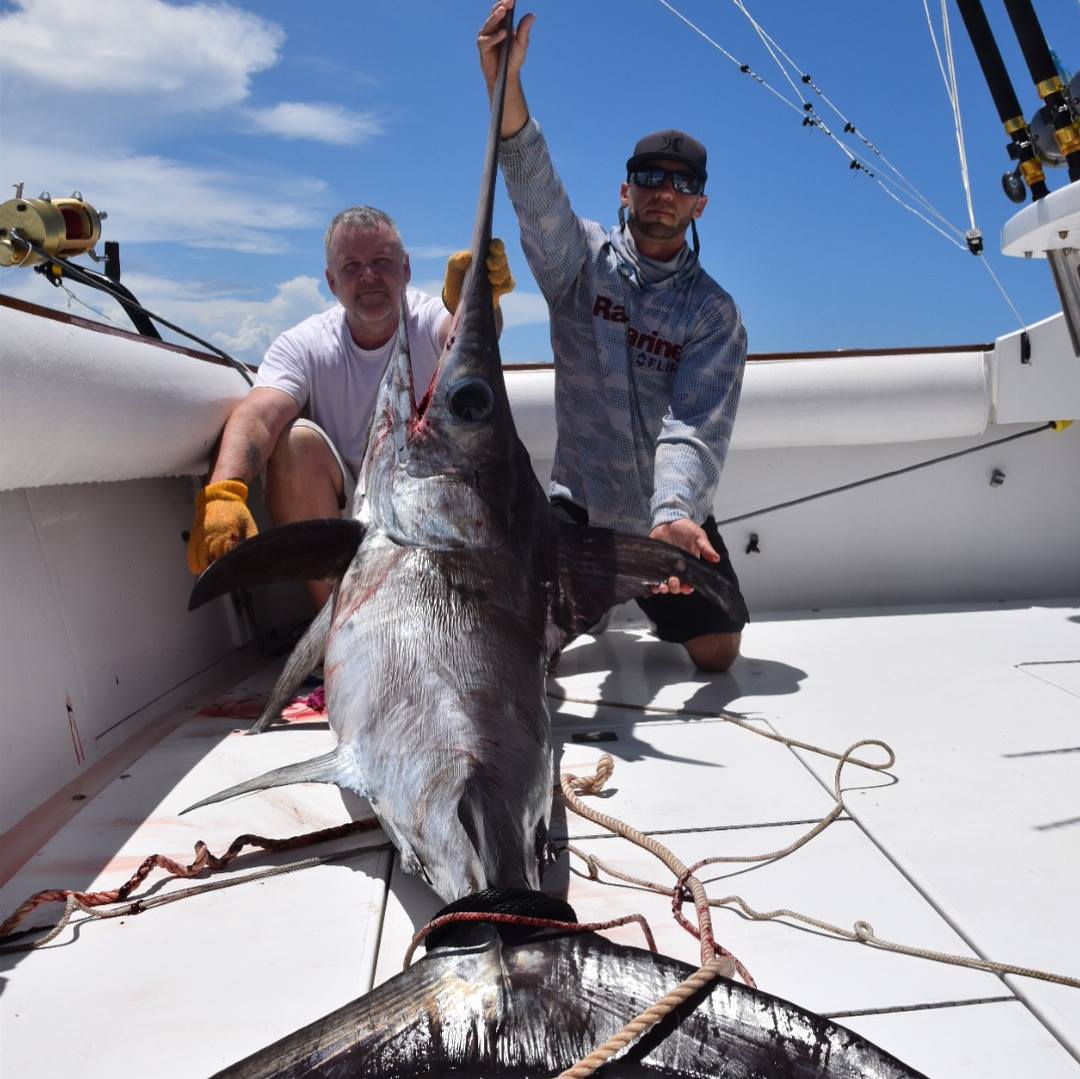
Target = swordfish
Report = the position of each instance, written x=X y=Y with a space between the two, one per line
x=456 y=585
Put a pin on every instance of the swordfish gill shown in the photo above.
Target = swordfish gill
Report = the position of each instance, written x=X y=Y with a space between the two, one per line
x=455 y=585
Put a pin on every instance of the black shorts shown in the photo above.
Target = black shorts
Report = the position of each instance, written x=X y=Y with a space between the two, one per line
x=677 y=619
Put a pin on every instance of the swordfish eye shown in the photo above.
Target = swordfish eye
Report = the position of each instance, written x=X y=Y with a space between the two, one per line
x=471 y=400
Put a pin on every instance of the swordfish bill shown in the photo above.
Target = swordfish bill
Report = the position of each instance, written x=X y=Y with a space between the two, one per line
x=455 y=585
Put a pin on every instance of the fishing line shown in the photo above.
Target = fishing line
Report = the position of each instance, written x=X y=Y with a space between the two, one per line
x=1051 y=425
x=953 y=93
x=79 y=275
x=811 y=119
x=771 y=44
x=89 y=307
x=902 y=189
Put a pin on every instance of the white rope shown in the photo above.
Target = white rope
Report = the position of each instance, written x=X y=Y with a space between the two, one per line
x=922 y=217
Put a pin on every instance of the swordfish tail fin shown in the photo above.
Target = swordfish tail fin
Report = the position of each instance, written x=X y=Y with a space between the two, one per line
x=507 y=1001
x=325 y=769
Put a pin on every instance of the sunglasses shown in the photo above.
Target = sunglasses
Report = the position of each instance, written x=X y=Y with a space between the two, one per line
x=685 y=183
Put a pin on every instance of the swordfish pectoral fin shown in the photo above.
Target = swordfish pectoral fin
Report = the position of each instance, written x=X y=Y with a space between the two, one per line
x=599 y=568
x=328 y=768
x=304 y=551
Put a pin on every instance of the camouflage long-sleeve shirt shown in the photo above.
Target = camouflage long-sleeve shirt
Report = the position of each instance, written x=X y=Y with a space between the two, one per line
x=647 y=372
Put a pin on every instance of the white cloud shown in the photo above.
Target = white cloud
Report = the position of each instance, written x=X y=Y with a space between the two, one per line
x=523 y=309
x=430 y=251
x=323 y=123
x=259 y=324
x=518 y=308
x=241 y=325
x=196 y=56
x=150 y=198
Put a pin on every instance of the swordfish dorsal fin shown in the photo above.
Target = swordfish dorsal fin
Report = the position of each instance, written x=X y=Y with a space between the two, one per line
x=598 y=568
x=305 y=551
x=325 y=769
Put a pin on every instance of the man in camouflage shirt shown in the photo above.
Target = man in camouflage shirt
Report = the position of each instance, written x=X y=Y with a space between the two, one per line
x=649 y=351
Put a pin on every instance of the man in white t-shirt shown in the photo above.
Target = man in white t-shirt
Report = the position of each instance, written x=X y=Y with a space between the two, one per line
x=306 y=418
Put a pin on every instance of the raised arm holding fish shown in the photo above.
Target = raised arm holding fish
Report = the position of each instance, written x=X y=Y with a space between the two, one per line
x=649 y=351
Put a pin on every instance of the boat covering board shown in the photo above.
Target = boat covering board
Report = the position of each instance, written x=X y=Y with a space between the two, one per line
x=163 y=409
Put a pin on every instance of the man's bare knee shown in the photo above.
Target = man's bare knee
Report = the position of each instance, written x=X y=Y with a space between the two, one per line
x=714 y=652
x=303 y=478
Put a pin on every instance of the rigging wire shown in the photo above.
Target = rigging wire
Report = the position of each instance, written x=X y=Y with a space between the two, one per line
x=1001 y=288
x=812 y=120
x=911 y=190
x=953 y=93
x=1050 y=425
x=900 y=189
x=772 y=48
x=947 y=67
x=79 y=275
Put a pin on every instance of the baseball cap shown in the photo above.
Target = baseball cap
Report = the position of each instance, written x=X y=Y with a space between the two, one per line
x=669 y=145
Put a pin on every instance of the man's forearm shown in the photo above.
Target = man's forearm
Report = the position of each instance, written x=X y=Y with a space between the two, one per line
x=515 y=109
x=246 y=445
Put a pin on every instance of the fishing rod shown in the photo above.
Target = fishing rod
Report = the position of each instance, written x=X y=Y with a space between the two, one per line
x=1021 y=147
x=45 y=233
x=1052 y=137
x=1049 y=84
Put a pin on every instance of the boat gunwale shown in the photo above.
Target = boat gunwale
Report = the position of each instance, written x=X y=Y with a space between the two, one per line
x=31 y=308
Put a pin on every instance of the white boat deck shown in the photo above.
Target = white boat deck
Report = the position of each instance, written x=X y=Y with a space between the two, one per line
x=969 y=845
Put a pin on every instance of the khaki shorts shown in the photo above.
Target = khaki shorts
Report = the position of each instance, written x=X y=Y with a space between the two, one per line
x=348 y=480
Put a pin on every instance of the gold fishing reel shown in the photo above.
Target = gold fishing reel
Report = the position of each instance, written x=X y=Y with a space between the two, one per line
x=64 y=227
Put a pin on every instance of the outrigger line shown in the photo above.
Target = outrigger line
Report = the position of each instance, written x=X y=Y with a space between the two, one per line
x=898 y=187
x=811 y=119
x=1051 y=425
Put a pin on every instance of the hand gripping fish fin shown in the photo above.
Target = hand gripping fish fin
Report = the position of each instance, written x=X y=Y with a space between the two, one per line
x=328 y=768
x=304 y=551
x=599 y=568
x=303 y=659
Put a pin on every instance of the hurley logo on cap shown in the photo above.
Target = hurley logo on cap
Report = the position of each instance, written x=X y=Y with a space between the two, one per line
x=669 y=145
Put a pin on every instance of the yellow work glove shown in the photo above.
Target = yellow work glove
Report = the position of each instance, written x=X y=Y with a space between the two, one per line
x=498 y=270
x=222 y=520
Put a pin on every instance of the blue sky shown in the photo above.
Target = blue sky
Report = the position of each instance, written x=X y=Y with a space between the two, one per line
x=221 y=138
